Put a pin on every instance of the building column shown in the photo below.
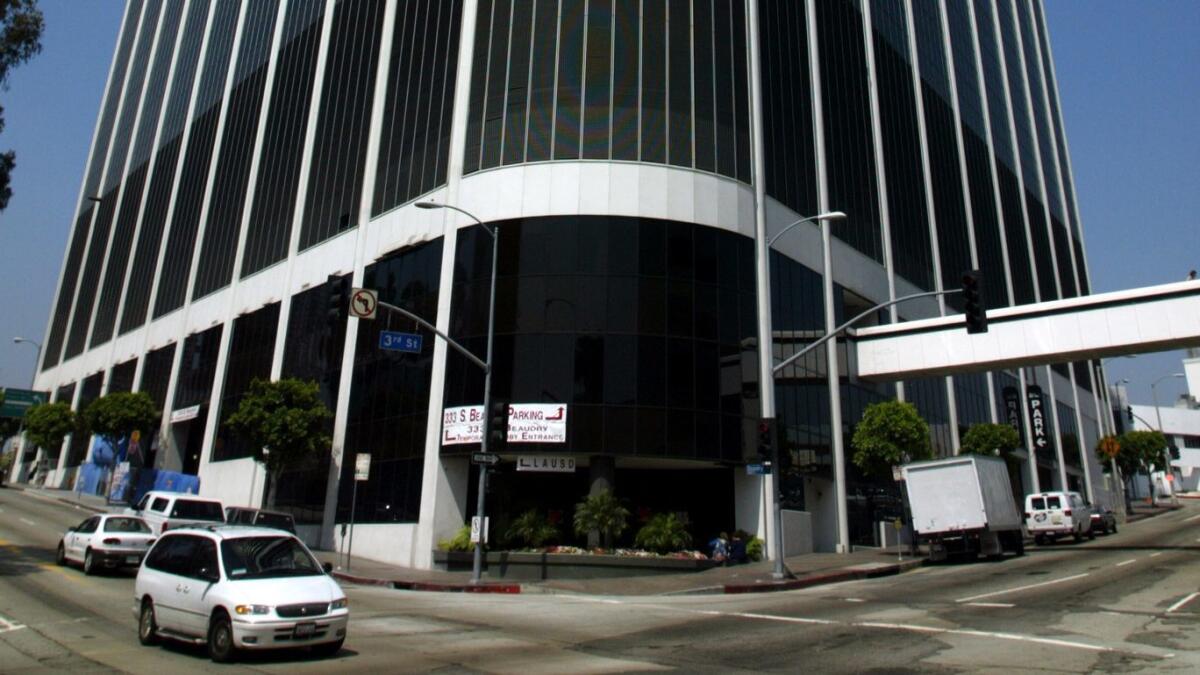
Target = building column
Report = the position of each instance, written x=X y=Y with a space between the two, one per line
x=602 y=473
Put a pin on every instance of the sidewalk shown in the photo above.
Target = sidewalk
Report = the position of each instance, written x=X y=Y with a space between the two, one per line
x=807 y=570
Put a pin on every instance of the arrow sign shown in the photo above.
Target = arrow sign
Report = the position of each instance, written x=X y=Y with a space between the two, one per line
x=485 y=458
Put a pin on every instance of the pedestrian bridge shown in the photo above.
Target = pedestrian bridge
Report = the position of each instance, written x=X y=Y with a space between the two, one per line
x=1150 y=319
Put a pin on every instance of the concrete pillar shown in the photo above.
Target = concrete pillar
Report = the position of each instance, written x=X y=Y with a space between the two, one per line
x=602 y=473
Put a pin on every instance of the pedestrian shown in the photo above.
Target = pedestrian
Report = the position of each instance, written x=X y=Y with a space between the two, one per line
x=719 y=548
x=737 y=548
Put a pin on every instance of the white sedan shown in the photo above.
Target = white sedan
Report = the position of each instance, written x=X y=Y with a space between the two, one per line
x=109 y=541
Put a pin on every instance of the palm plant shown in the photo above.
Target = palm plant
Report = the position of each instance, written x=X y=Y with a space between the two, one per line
x=665 y=533
x=602 y=513
x=532 y=529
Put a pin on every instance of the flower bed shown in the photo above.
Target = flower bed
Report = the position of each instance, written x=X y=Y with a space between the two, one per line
x=571 y=562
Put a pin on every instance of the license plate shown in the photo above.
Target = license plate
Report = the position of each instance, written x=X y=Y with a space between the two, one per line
x=304 y=630
x=1057 y=520
x=131 y=560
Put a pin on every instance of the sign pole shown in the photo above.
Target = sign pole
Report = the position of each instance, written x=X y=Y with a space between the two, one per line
x=353 y=504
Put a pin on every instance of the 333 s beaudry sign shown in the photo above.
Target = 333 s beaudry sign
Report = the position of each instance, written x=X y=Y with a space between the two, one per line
x=527 y=423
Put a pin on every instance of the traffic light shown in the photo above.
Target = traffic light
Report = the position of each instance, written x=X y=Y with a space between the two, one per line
x=338 y=289
x=765 y=440
x=497 y=428
x=976 y=313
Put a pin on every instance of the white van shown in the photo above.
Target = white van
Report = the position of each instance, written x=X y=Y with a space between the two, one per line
x=1050 y=515
x=164 y=511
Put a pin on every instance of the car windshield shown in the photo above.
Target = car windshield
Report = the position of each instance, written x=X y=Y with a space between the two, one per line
x=135 y=525
x=197 y=510
x=279 y=521
x=267 y=557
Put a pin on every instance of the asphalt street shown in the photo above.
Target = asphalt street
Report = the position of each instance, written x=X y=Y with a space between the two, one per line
x=1128 y=602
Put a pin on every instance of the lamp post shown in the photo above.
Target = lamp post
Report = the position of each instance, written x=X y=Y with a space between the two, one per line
x=36 y=360
x=494 y=232
x=1158 y=414
x=766 y=367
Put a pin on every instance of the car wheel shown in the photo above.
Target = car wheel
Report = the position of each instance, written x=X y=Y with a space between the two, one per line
x=1078 y=536
x=220 y=639
x=89 y=562
x=1114 y=528
x=147 y=625
x=1091 y=534
x=329 y=649
x=60 y=556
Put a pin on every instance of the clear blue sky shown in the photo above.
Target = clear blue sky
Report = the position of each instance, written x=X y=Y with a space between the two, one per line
x=1129 y=78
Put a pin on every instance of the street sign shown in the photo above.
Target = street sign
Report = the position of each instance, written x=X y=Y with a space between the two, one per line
x=18 y=401
x=758 y=469
x=184 y=414
x=362 y=466
x=546 y=463
x=897 y=474
x=363 y=303
x=485 y=458
x=462 y=425
x=1037 y=416
x=477 y=531
x=394 y=341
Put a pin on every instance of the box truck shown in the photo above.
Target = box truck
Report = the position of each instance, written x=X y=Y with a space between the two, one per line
x=964 y=505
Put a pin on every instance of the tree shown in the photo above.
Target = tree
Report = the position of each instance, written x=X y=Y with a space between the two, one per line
x=602 y=513
x=531 y=529
x=117 y=415
x=20 y=39
x=990 y=439
x=284 y=422
x=1141 y=450
x=49 y=423
x=890 y=433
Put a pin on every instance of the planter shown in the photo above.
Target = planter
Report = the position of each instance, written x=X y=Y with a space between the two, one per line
x=540 y=566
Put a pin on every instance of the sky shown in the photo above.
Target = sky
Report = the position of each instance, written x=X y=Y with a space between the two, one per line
x=1129 y=84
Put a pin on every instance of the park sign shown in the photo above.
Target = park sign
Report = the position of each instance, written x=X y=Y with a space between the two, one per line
x=527 y=423
x=17 y=402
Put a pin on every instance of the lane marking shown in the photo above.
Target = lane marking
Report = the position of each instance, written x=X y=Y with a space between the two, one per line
x=1156 y=554
x=1182 y=602
x=1195 y=517
x=27 y=522
x=1004 y=605
x=912 y=628
x=1022 y=588
x=1126 y=562
x=7 y=626
x=61 y=571
x=855 y=600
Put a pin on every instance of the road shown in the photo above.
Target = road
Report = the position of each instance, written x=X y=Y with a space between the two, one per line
x=1124 y=603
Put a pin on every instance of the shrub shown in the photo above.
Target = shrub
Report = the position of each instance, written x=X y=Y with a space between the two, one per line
x=461 y=541
x=754 y=549
x=890 y=433
x=603 y=513
x=531 y=529
x=663 y=534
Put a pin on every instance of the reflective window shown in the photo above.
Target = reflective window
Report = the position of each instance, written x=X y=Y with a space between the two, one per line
x=121 y=377
x=389 y=393
x=336 y=179
x=194 y=384
x=77 y=443
x=274 y=204
x=414 y=145
x=251 y=350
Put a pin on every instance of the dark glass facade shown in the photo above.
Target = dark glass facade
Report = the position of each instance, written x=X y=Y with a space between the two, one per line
x=657 y=81
x=389 y=393
x=250 y=349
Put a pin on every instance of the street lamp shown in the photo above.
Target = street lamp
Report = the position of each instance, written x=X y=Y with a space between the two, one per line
x=36 y=360
x=766 y=357
x=494 y=232
x=1158 y=414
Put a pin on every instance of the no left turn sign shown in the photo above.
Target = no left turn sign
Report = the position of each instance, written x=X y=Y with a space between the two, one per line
x=363 y=303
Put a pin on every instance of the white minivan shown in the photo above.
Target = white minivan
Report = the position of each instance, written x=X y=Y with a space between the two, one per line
x=1050 y=515
x=238 y=588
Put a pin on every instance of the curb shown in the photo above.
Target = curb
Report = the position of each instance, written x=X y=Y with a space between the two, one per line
x=61 y=500
x=846 y=574
x=428 y=586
